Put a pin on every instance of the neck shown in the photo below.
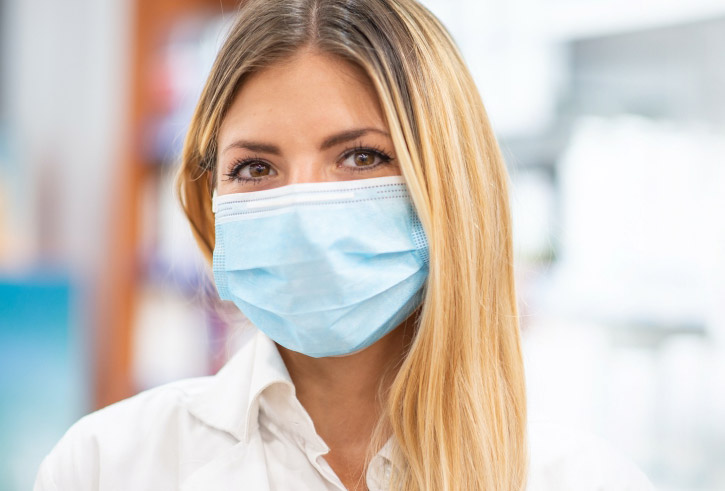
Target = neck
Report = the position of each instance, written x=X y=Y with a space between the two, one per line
x=344 y=396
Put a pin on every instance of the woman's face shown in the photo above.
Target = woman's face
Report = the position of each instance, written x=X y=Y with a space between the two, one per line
x=313 y=118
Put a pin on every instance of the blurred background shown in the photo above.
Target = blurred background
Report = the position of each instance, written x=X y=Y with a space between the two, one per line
x=610 y=114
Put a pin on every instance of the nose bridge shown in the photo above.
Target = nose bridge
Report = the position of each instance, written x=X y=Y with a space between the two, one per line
x=306 y=168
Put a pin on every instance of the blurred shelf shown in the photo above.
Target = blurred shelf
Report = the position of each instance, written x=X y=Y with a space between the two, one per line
x=152 y=23
x=579 y=20
x=538 y=151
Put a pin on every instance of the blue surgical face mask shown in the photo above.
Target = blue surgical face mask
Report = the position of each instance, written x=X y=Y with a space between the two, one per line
x=323 y=269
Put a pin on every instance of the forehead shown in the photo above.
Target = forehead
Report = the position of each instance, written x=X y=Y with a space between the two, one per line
x=309 y=91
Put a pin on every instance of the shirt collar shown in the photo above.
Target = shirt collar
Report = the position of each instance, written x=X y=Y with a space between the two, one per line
x=231 y=402
x=256 y=377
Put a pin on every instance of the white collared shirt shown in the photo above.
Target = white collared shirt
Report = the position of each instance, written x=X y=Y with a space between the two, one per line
x=245 y=429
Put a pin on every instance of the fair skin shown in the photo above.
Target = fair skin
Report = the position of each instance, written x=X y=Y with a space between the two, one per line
x=316 y=118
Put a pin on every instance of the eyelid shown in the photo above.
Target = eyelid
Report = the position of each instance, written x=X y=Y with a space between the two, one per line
x=238 y=163
x=241 y=162
x=360 y=147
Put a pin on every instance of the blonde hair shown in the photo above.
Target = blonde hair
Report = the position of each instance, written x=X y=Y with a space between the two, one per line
x=457 y=406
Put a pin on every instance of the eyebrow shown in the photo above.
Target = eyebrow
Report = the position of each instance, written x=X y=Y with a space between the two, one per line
x=329 y=142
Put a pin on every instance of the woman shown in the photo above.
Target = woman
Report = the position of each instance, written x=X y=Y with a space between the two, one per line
x=341 y=176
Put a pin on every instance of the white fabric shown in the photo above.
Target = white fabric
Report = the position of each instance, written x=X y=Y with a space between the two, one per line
x=245 y=429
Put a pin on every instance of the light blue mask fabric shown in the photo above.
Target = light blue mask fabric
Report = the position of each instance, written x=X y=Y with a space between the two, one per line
x=323 y=269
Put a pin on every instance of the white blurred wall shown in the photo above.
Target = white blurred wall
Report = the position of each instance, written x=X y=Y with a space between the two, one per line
x=64 y=74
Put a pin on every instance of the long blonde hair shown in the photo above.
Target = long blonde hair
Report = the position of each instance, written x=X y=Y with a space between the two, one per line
x=457 y=407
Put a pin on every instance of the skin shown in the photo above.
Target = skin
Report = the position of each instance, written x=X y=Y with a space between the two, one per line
x=316 y=118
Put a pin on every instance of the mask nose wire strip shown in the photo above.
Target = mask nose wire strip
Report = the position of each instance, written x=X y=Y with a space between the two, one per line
x=298 y=198
x=380 y=185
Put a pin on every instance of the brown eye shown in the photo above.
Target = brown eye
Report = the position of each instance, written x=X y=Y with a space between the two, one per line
x=252 y=170
x=363 y=159
x=258 y=169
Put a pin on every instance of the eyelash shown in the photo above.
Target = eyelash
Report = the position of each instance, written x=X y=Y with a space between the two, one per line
x=233 y=174
x=377 y=151
x=237 y=166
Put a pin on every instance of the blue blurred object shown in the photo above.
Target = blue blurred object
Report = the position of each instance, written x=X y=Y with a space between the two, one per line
x=41 y=373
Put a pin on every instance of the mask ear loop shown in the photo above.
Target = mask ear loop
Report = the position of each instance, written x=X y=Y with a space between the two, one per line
x=211 y=178
x=213 y=201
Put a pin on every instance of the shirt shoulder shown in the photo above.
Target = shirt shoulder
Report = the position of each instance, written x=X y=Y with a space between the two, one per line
x=562 y=459
x=143 y=430
x=177 y=436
